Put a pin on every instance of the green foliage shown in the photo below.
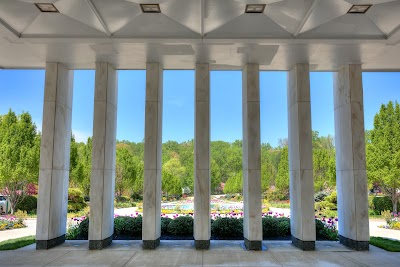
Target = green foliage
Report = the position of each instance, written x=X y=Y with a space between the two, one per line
x=12 y=244
x=227 y=227
x=234 y=184
x=320 y=196
x=125 y=225
x=383 y=203
x=387 y=216
x=386 y=244
x=28 y=204
x=83 y=229
x=164 y=225
x=324 y=233
x=332 y=198
x=128 y=169
x=274 y=227
x=181 y=226
x=282 y=178
x=327 y=205
x=72 y=233
x=75 y=200
x=19 y=155
x=383 y=152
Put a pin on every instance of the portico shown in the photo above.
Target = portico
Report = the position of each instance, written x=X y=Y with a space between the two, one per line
x=204 y=35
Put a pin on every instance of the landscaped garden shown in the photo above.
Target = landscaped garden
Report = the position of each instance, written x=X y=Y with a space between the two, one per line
x=9 y=222
x=223 y=227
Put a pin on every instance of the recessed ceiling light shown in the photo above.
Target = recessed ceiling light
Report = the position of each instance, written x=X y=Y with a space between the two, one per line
x=255 y=8
x=46 y=7
x=360 y=9
x=150 y=8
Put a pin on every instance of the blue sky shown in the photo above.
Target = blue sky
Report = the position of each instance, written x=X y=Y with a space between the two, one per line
x=22 y=90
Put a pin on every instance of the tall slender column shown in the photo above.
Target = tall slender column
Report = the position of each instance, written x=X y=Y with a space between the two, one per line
x=151 y=231
x=252 y=228
x=54 y=157
x=202 y=182
x=302 y=221
x=351 y=178
x=102 y=182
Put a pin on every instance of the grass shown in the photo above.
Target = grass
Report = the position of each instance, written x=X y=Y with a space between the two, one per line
x=386 y=244
x=12 y=244
x=280 y=204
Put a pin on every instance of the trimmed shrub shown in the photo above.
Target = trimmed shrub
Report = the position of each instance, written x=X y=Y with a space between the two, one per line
x=28 y=204
x=274 y=227
x=75 y=200
x=383 y=203
x=75 y=195
x=227 y=227
x=320 y=196
x=332 y=198
x=327 y=205
x=181 y=226
x=164 y=225
x=125 y=225
x=75 y=207
x=284 y=228
x=122 y=199
x=83 y=229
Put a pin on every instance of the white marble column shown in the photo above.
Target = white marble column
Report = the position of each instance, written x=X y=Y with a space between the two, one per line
x=54 y=157
x=151 y=231
x=351 y=178
x=252 y=224
x=302 y=220
x=102 y=182
x=202 y=174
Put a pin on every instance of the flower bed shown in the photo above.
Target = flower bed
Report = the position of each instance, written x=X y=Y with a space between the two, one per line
x=9 y=222
x=223 y=227
x=392 y=220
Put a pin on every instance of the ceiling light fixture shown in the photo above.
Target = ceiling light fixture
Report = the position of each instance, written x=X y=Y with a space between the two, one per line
x=255 y=8
x=46 y=7
x=359 y=9
x=150 y=8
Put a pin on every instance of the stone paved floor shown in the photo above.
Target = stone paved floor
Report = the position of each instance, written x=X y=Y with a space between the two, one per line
x=181 y=253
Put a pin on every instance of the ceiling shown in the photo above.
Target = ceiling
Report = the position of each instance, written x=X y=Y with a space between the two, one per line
x=219 y=32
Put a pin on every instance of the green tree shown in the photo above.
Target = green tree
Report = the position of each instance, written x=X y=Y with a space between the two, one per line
x=383 y=151
x=19 y=155
x=215 y=177
x=173 y=176
x=125 y=169
x=282 y=177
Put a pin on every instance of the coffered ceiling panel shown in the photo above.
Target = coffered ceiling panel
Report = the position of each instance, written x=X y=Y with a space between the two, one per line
x=220 y=32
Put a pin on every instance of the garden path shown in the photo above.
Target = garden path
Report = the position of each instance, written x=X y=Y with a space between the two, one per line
x=21 y=232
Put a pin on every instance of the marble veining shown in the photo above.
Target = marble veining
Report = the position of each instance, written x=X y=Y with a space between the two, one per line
x=300 y=154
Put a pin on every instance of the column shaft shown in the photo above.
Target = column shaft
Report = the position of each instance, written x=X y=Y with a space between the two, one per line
x=302 y=221
x=202 y=182
x=350 y=158
x=151 y=231
x=54 y=157
x=102 y=182
x=251 y=158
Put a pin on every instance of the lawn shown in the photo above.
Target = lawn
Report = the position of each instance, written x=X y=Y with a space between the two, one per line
x=386 y=244
x=12 y=244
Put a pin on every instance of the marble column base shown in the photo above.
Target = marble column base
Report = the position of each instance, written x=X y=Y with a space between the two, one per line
x=99 y=244
x=354 y=244
x=47 y=244
x=252 y=245
x=151 y=244
x=303 y=245
x=202 y=244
